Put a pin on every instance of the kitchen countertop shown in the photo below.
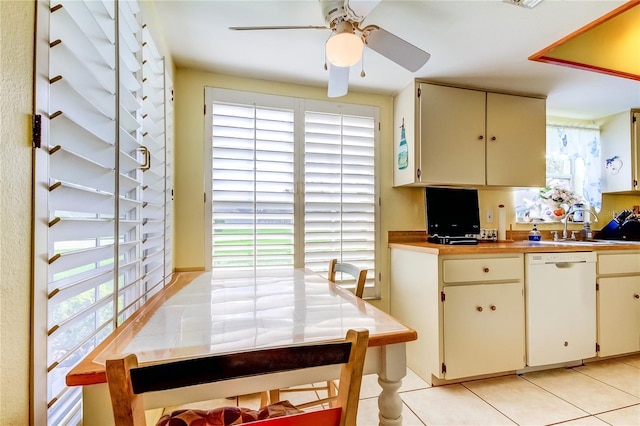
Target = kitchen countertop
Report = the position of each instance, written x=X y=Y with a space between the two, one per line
x=415 y=240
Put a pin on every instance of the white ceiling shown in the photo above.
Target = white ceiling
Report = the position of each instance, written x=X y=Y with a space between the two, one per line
x=482 y=43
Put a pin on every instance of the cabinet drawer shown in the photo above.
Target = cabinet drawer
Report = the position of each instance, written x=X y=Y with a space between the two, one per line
x=622 y=263
x=491 y=269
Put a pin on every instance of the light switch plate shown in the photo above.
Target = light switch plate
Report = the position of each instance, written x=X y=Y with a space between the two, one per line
x=489 y=216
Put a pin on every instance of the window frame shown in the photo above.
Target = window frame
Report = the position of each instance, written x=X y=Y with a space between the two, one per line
x=518 y=194
x=299 y=105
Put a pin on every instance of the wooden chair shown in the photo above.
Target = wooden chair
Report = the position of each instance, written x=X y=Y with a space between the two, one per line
x=360 y=275
x=128 y=381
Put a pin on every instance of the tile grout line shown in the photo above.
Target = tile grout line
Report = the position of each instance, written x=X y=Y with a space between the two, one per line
x=605 y=383
x=489 y=404
x=559 y=397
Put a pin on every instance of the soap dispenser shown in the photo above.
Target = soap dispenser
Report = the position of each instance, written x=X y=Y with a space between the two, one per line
x=534 y=235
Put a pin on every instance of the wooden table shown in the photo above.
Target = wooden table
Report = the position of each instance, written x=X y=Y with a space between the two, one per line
x=205 y=313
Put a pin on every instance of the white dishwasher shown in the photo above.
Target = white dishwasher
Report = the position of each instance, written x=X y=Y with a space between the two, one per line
x=560 y=294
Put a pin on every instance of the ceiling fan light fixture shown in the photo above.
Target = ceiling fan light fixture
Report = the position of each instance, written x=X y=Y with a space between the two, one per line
x=344 y=49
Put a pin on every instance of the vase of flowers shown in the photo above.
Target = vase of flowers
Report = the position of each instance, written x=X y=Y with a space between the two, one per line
x=557 y=199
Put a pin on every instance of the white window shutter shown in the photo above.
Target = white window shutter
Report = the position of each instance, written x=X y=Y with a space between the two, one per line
x=340 y=190
x=252 y=186
x=94 y=259
x=292 y=182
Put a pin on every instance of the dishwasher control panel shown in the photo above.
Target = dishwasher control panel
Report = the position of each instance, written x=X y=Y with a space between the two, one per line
x=566 y=257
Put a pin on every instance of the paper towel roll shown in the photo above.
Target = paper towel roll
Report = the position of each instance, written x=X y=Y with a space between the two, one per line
x=502 y=223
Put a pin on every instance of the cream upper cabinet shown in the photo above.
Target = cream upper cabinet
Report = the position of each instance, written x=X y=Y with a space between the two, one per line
x=462 y=136
x=516 y=140
x=619 y=137
x=452 y=148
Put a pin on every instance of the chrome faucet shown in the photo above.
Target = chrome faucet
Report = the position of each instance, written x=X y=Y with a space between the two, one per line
x=566 y=219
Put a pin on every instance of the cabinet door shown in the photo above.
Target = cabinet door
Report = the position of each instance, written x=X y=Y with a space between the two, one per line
x=452 y=141
x=483 y=329
x=618 y=153
x=516 y=140
x=618 y=305
x=405 y=107
x=635 y=146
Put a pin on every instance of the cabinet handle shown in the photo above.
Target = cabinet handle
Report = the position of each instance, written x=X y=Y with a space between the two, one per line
x=479 y=308
x=493 y=307
x=480 y=137
x=486 y=270
x=493 y=138
x=637 y=296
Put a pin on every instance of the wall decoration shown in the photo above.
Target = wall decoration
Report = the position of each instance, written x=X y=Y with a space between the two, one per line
x=613 y=165
x=403 y=150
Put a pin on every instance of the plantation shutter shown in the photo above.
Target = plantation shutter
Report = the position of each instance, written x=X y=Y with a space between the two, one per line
x=153 y=208
x=168 y=176
x=339 y=195
x=252 y=186
x=131 y=292
x=89 y=191
x=292 y=182
x=81 y=190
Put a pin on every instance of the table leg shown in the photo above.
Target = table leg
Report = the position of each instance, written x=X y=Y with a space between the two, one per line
x=393 y=369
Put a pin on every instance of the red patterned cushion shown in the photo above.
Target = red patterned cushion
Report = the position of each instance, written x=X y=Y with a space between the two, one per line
x=226 y=416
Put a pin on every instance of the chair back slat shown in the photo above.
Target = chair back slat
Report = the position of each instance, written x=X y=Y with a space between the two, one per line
x=210 y=369
x=360 y=275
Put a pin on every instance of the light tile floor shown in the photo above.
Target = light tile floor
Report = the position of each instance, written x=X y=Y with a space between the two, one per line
x=599 y=393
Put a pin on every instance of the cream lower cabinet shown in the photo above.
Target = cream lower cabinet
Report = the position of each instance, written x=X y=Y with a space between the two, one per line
x=483 y=329
x=468 y=312
x=618 y=303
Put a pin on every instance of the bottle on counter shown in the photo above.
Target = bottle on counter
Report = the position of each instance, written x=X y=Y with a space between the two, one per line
x=586 y=232
x=534 y=235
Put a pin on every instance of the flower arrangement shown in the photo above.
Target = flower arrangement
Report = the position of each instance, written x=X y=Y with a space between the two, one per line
x=558 y=195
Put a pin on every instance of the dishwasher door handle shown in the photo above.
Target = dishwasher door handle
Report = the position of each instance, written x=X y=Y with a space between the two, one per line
x=565 y=264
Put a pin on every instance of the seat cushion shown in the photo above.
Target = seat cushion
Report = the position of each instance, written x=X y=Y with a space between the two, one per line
x=226 y=416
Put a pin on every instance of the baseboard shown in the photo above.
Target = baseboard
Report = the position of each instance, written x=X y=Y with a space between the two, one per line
x=441 y=382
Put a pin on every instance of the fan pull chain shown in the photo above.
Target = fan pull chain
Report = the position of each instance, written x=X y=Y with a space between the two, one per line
x=362 y=73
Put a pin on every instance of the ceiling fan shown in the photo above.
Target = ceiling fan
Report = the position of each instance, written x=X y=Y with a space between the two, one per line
x=344 y=47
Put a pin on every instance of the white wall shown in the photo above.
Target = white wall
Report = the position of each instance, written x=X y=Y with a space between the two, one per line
x=16 y=61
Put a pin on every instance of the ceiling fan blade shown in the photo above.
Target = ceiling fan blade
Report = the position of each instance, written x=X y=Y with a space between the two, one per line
x=293 y=27
x=399 y=51
x=338 y=81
